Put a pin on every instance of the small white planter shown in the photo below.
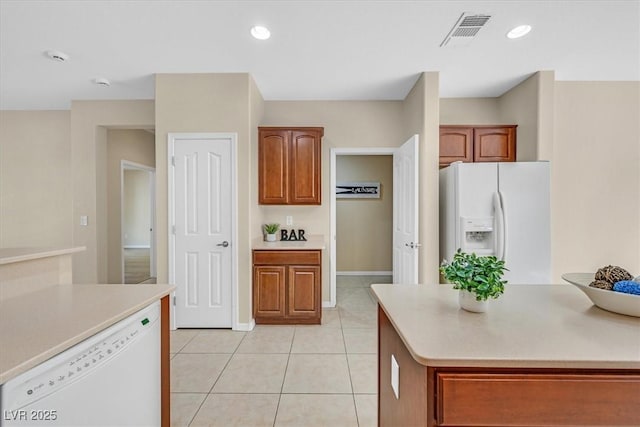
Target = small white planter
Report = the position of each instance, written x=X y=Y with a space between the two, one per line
x=468 y=302
x=271 y=237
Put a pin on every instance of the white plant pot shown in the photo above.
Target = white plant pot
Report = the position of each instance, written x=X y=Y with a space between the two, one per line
x=271 y=237
x=468 y=302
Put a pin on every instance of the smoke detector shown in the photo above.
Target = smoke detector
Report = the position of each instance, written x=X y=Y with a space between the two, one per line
x=465 y=29
x=56 y=55
x=101 y=81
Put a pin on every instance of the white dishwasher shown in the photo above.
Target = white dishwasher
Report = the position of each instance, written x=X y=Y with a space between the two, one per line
x=109 y=379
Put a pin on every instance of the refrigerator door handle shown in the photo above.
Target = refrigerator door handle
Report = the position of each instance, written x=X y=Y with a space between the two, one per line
x=501 y=226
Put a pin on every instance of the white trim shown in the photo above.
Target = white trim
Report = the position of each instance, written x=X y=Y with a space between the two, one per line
x=367 y=151
x=247 y=327
x=233 y=138
x=137 y=246
x=327 y=304
x=129 y=165
x=364 y=273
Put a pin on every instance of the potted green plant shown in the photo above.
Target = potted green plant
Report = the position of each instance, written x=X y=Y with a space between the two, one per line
x=270 y=230
x=477 y=277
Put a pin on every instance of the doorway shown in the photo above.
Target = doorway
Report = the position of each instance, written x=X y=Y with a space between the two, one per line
x=364 y=226
x=138 y=255
x=202 y=229
x=405 y=210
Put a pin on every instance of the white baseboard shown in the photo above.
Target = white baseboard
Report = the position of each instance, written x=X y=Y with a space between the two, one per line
x=246 y=327
x=364 y=273
x=137 y=247
x=327 y=304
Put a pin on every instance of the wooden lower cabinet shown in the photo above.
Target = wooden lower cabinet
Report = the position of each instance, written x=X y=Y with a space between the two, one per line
x=287 y=287
x=455 y=396
x=269 y=291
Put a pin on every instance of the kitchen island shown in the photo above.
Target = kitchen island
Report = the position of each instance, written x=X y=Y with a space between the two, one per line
x=541 y=355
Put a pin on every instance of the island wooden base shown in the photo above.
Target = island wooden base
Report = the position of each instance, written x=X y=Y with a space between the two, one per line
x=493 y=396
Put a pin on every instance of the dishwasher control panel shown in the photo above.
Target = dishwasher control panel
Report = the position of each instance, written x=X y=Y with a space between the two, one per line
x=78 y=361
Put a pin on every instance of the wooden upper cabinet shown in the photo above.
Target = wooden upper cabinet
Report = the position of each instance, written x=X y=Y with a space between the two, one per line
x=456 y=144
x=289 y=163
x=273 y=156
x=495 y=144
x=477 y=143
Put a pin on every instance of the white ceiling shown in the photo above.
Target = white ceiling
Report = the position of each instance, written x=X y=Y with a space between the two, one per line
x=319 y=50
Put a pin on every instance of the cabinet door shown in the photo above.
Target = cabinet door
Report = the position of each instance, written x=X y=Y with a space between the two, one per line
x=269 y=291
x=273 y=166
x=305 y=173
x=456 y=144
x=494 y=144
x=304 y=291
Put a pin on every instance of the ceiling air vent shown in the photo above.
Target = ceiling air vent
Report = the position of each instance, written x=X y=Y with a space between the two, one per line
x=465 y=29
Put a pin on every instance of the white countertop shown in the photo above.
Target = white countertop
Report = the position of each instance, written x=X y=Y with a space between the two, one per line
x=313 y=242
x=11 y=255
x=530 y=326
x=37 y=326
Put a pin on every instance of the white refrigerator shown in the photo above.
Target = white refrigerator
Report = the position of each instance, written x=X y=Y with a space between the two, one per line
x=499 y=209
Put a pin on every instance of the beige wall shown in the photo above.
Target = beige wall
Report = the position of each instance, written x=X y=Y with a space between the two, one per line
x=596 y=177
x=89 y=123
x=469 y=111
x=546 y=114
x=519 y=106
x=136 y=146
x=257 y=108
x=421 y=116
x=347 y=124
x=137 y=209
x=208 y=103
x=364 y=227
x=35 y=179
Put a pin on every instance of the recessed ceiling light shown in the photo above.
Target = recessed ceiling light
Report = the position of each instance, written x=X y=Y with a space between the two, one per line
x=519 y=31
x=56 y=55
x=260 y=33
x=101 y=81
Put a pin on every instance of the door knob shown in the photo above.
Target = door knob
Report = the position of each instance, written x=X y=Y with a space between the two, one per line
x=223 y=244
x=413 y=245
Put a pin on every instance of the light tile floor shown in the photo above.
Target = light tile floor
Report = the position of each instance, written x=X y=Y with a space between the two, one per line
x=306 y=376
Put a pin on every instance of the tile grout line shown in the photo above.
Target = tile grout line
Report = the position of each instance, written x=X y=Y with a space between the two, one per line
x=205 y=397
x=284 y=377
x=346 y=355
x=217 y=379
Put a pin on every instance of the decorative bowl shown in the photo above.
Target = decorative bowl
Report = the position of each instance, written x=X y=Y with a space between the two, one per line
x=616 y=302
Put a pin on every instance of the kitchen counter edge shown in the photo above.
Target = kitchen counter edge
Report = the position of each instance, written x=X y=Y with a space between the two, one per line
x=408 y=322
x=40 y=325
x=313 y=242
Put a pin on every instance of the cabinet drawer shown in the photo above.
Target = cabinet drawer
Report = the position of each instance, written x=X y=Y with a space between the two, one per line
x=286 y=257
x=470 y=399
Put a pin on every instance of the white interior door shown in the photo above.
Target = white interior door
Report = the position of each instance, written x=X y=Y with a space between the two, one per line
x=405 y=212
x=202 y=231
